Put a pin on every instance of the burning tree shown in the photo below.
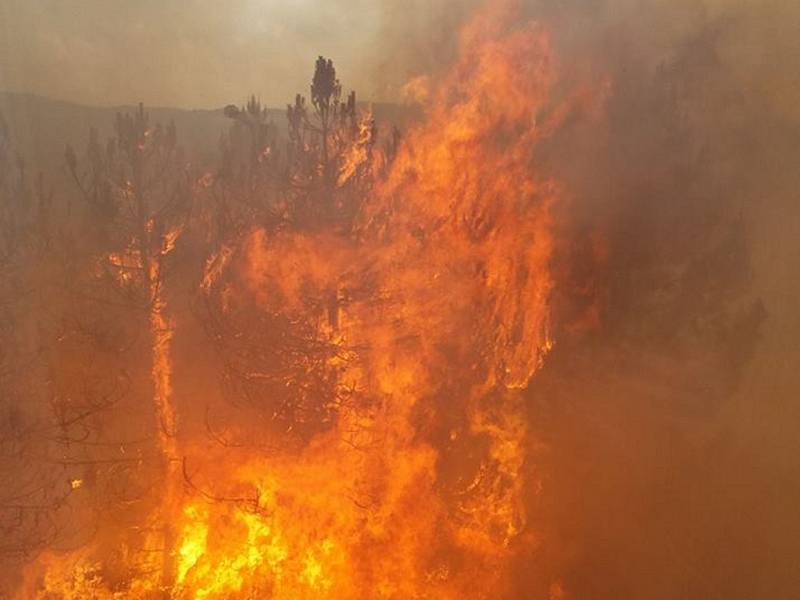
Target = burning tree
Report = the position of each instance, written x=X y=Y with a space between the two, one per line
x=376 y=322
x=249 y=183
x=138 y=193
x=30 y=494
x=282 y=362
x=432 y=303
x=329 y=147
x=52 y=394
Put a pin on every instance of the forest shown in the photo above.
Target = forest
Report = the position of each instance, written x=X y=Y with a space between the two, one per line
x=504 y=339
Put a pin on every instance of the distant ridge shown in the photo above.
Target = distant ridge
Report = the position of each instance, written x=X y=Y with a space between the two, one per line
x=41 y=127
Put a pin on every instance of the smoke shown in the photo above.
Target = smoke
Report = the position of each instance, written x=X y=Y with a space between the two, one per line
x=670 y=462
x=194 y=54
x=667 y=412
x=666 y=415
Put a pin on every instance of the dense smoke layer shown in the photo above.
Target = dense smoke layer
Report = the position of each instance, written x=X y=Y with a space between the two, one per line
x=670 y=434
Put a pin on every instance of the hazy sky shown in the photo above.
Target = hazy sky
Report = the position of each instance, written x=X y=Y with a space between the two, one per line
x=198 y=53
x=208 y=53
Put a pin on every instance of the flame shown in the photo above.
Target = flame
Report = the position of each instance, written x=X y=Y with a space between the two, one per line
x=441 y=304
x=436 y=304
x=359 y=153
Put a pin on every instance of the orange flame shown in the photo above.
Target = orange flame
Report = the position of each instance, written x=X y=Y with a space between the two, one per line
x=441 y=318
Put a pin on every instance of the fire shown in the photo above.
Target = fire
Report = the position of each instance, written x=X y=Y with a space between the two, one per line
x=435 y=308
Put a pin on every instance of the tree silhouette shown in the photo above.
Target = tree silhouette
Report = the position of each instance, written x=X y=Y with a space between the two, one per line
x=139 y=193
x=278 y=363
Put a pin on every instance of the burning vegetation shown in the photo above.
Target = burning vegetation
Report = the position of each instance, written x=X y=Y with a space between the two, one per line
x=339 y=361
x=377 y=303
